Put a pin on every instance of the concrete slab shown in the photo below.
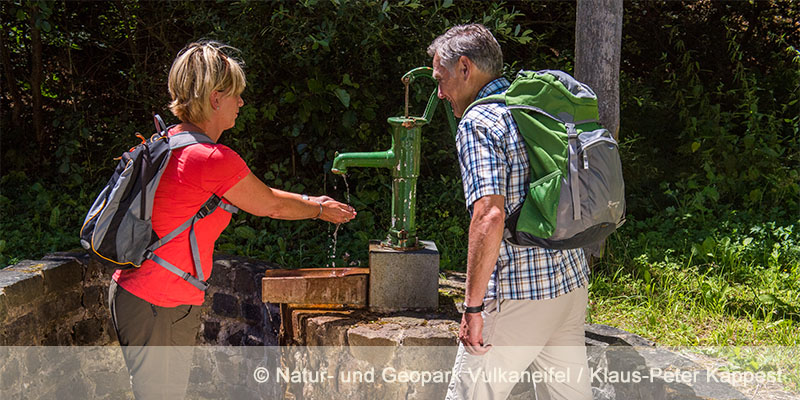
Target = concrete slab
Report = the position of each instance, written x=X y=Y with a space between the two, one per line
x=403 y=280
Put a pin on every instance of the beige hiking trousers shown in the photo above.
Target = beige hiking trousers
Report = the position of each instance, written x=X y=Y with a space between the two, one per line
x=547 y=335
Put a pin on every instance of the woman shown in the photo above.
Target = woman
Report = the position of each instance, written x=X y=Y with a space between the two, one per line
x=152 y=306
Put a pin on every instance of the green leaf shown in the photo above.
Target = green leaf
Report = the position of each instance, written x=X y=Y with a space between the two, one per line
x=55 y=215
x=343 y=96
x=314 y=85
x=755 y=195
x=768 y=299
x=245 y=232
x=708 y=245
x=45 y=26
x=447 y=3
x=695 y=146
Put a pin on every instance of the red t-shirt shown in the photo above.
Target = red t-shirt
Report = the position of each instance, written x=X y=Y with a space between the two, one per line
x=192 y=175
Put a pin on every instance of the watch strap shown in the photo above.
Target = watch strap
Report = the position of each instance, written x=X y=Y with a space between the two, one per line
x=473 y=310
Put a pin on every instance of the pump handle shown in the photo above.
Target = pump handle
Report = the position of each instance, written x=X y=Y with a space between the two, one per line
x=433 y=100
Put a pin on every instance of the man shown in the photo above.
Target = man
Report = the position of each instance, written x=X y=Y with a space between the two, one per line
x=524 y=305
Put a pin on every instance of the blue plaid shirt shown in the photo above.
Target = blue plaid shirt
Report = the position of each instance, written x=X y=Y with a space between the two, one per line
x=494 y=161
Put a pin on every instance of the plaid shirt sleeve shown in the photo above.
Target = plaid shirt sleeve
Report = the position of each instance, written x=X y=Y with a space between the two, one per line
x=481 y=153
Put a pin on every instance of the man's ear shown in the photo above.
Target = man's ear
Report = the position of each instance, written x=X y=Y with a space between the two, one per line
x=464 y=67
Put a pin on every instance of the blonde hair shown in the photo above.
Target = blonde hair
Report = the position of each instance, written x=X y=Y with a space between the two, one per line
x=198 y=70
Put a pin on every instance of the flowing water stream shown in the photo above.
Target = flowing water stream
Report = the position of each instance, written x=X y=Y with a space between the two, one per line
x=332 y=247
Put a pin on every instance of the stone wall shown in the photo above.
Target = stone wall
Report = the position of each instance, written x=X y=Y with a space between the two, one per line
x=62 y=300
x=59 y=306
x=233 y=313
x=59 y=300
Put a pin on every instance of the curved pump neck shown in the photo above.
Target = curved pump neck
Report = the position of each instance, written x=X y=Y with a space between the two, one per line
x=403 y=158
x=388 y=158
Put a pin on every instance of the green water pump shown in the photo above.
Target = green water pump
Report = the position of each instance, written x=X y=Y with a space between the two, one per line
x=403 y=158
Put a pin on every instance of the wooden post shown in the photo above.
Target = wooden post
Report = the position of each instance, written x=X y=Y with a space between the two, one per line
x=598 y=42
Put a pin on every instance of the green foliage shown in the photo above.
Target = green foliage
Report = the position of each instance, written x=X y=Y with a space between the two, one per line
x=713 y=107
x=710 y=123
x=323 y=76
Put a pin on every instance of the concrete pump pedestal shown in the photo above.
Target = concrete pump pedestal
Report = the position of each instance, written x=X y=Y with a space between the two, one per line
x=403 y=280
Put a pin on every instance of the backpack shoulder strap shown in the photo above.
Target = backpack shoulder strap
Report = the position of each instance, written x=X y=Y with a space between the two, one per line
x=495 y=98
x=199 y=282
x=183 y=139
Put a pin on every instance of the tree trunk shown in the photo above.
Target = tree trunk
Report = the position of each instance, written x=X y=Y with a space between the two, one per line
x=598 y=41
x=11 y=82
x=36 y=81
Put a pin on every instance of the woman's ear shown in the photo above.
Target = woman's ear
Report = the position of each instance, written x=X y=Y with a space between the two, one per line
x=214 y=99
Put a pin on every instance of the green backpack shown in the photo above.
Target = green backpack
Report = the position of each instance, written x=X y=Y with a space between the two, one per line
x=576 y=196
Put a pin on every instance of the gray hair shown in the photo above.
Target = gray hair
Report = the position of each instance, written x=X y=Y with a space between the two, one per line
x=473 y=41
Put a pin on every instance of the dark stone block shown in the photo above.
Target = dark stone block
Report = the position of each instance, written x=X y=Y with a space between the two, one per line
x=61 y=274
x=61 y=306
x=88 y=332
x=244 y=282
x=96 y=270
x=94 y=296
x=211 y=331
x=50 y=339
x=253 y=313
x=236 y=338
x=22 y=283
x=220 y=276
x=225 y=305
x=22 y=331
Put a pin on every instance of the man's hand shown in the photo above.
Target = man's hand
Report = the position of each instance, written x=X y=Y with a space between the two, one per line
x=471 y=334
x=485 y=236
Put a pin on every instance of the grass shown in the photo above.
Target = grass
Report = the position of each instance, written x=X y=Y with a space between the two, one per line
x=679 y=283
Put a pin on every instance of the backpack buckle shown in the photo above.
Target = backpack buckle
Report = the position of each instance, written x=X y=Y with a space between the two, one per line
x=205 y=211
x=208 y=207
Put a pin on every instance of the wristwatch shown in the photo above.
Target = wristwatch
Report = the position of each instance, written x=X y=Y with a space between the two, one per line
x=472 y=310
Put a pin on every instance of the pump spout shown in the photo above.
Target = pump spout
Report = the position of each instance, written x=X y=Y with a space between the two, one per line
x=376 y=159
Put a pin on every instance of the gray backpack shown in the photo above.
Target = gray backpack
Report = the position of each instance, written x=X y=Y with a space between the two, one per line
x=576 y=196
x=118 y=229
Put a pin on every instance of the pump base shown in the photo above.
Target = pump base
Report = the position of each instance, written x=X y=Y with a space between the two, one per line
x=403 y=280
